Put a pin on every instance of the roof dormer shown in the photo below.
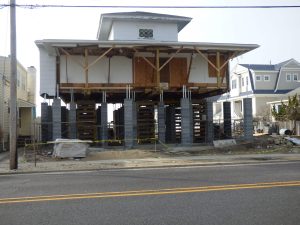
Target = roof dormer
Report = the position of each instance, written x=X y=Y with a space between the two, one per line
x=140 y=26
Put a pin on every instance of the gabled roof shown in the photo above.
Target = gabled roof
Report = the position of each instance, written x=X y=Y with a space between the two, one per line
x=107 y=19
x=267 y=67
x=263 y=67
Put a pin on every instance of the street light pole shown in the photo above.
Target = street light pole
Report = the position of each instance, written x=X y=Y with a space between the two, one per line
x=13 y=89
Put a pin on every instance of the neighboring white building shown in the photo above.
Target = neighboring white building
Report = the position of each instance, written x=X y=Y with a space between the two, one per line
x=262 y=83
x=26 y=89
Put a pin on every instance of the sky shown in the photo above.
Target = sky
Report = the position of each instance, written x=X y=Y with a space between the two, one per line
x=276 y=30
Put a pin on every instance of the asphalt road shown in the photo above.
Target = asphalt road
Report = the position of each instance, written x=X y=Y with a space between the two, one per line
x=265 y=193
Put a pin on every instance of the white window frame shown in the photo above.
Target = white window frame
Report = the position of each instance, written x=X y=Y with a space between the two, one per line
x=295 y=75
x=258 y=77
x=267 y=79
x=234 y=84
x=290 y=77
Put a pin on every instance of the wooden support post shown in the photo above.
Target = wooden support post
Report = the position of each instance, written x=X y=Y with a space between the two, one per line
x=157 y=69
x=86 y=70
x=219 y=70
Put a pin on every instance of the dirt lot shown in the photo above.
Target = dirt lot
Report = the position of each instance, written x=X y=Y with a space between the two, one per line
x=262 y=144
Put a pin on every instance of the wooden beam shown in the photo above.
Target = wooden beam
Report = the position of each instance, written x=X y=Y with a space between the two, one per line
x=231 y=56
x=143 y=57
x=86 y=71
x=71 y=57
x=204 y=56
x=157 y=69
x=100 y=57
x=173 y=55
x=219 y=70
x=189 y=69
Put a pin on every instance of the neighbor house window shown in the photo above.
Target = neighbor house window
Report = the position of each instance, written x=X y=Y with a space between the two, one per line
x=288 y=77
x=146 y=33
x=258 y=78
x=295 y=76
x=266 y=77
x=233 y=85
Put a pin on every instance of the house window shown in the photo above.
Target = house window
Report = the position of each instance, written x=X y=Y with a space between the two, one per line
x=288 y=77
x=258 y=78
x=18 y=79
x=266 y=77
x=243 y=82
x=295 y=77
x=233 y=85
x=146 y=33
x=247 y=81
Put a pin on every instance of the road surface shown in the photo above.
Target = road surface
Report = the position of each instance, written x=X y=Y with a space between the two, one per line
x=263 y=193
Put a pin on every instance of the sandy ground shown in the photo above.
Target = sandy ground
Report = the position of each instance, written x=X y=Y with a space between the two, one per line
x=263 y=148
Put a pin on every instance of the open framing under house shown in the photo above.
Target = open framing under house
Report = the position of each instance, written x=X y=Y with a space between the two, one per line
x=138 y=63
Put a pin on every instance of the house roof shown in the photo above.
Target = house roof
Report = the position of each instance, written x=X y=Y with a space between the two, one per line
x=52 y=44
x=107 y=19
x=263 y=67
x=267 y=67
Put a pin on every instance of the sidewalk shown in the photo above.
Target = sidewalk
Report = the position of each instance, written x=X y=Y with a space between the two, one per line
x=151 y=162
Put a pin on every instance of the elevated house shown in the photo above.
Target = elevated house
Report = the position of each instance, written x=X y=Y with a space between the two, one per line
x=136 y=62
x=262 y=83
x=26 y=80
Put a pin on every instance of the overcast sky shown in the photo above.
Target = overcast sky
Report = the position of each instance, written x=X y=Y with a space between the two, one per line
x=277 y=31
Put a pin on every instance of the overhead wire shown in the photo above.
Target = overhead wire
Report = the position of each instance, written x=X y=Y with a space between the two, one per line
x=35 y=6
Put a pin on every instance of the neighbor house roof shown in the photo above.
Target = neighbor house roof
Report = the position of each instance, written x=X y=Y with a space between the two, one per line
x=266 y=67
x=106 y=20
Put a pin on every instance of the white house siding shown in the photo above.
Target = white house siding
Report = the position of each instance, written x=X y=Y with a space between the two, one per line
x=4 y=116
x=283 y=84
x=261 y=107
x=120 y=70
x=47 y=73
x=31 y=84
x=127 y=30
x=265 y=85
x=199 y=71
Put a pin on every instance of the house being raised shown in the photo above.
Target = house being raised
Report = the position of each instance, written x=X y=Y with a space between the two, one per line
x=137 y=62
x=25 y=100
x=262 y=83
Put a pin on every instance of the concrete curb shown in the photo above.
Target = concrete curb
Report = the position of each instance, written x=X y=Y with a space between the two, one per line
x=178 y=164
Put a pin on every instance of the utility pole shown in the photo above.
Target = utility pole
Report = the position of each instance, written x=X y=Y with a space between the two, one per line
x=13 y=89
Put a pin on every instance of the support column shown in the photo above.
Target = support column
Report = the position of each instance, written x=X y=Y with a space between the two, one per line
x=209 y=131
x=104 y=131
x=129 y=123
x=56 y=119
x=161 y=117
x=186 y=122
x=72 y=121
x=227 y=119
x=248 y=119
x=44 y=121
x=170 y=124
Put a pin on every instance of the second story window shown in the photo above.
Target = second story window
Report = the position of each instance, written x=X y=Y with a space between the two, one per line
x=247 y=81
x=146 y=33
x=295 y=77
x=288 y=77
x=233 y=85
x=258 y=78
x=266 y=77
x=243 y=81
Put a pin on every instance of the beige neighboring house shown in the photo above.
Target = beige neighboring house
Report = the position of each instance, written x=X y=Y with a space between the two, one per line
x=26 y=89
x=263 y=84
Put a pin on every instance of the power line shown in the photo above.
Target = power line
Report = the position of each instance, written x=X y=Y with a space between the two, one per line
x=35 y=6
